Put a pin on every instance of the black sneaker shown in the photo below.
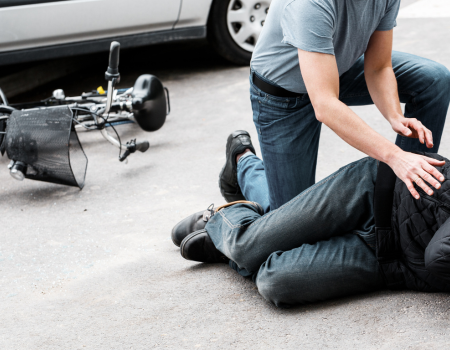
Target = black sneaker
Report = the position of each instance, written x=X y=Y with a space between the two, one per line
x=198 y=246
x=237 y=143
x=198 y=221
x=190 y=224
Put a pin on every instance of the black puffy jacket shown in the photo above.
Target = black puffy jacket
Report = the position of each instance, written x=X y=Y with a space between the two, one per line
x=413 y=236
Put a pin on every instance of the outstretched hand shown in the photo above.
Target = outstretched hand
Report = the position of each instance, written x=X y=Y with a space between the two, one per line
x=413 y=168
x=413 y=128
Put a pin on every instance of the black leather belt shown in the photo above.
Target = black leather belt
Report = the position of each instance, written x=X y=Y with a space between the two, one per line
x=272 y=89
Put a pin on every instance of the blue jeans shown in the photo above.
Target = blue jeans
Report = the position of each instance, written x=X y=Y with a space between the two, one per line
x=319 y=245
x=289 y=132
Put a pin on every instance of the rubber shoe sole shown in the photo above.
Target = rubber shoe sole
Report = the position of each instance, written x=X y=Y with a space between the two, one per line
x=198 y=246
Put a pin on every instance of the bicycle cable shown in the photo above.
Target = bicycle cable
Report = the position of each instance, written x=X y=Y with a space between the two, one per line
x=3 y=97
x=105 y=120
x=117 y=134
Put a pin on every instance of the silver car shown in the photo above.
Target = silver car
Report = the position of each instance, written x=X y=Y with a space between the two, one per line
x=41 y=29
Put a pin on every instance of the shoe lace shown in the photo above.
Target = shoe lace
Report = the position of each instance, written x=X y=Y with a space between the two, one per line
x=211 y=210
x=206 y=215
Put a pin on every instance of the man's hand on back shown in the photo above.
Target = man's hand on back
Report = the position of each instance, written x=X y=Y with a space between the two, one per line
x=410 y=168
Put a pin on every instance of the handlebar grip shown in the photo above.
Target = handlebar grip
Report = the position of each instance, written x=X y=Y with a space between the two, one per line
x=113 y=68
x=133 y=146
x=114 y=57
x=142 y=146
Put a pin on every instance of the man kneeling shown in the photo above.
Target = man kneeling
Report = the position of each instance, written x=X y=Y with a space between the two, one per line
x=358 y=230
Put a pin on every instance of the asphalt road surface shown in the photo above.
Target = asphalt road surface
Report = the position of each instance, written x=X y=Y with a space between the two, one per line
x=97 y=269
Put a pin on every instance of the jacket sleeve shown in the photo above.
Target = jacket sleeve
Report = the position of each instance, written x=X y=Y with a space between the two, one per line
x=437 y=254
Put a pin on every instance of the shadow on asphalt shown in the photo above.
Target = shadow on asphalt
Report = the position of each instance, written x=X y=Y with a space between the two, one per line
x=161 y=60
x=298 y=309
x=46 y=193
x=330 y=305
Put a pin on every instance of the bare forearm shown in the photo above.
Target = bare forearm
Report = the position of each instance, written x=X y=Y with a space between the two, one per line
x=353 y=130
x=321 y=77
x=383 y=89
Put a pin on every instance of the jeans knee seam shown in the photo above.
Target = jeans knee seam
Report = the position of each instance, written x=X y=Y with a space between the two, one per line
x=304 y=193
x=228 y=221
x=413 y=94
x=414 y=103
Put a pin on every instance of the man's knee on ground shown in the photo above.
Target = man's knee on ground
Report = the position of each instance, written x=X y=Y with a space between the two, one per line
x=285 y=280
x=242 y=253
x=272 y=290
x=276 y=286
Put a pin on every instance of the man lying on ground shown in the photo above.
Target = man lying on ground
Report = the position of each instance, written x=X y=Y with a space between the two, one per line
x=353 y=232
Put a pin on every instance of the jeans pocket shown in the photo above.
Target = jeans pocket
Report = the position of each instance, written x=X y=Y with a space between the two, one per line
x=369 y=239
x=271 y=111
x=256 y=104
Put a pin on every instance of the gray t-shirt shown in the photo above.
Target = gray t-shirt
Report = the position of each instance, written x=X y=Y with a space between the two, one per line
x=336 y=27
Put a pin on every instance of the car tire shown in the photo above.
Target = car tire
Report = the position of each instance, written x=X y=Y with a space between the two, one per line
x=234 y=27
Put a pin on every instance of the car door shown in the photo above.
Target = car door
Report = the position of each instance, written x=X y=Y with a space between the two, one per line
x=34 y=23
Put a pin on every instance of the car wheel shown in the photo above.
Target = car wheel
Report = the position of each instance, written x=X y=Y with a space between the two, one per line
x=234 y=27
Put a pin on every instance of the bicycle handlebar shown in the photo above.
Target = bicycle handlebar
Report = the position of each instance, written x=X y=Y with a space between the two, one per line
x=142 y=146
x=113 y=68
x=133 y=146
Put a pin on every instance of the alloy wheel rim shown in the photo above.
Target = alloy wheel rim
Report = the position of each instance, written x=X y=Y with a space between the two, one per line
x=245 y=20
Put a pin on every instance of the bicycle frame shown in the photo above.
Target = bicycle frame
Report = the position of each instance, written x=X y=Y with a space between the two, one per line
x=99 y=110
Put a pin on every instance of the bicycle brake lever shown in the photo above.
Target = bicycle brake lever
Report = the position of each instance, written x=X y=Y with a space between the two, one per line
x=124 y=155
